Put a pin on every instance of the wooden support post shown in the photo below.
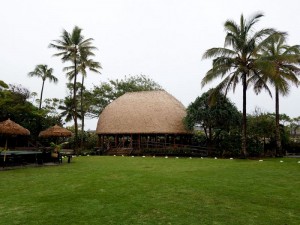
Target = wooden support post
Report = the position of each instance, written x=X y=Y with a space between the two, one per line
x=147 y=141
x=166 y=140
x=101 y=141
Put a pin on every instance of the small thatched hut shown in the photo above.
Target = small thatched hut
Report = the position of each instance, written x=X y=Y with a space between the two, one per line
x=143 y=120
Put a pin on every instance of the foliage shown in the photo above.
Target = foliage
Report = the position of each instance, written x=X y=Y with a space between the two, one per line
x=220 y=123
x=52 y=106
x=294 y=126
x=285 y=138
x=72 y=47
x=3 y=85
x=42 y=71
x=90 y=140
x=292 y=147
x=261 y=125
x=84 y=63
x=237 y=61
x=67 y=109
x=58 y=147
x=262 y=131
x=199 y=138
x=213 y=119
x=14 y=104
x=106 y=92
x=285 y=61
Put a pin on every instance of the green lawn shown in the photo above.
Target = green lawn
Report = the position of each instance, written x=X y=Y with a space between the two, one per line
x=126 y=190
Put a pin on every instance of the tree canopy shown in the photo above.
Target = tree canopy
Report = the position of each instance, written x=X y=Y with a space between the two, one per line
x=284 y=60
x=73 y=47
x=15 y=104
x=221 y=116
x=42 y=71
x=237 y=61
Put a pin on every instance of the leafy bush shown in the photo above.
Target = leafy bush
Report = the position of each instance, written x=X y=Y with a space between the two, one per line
x=229 y=144
x=292 y=147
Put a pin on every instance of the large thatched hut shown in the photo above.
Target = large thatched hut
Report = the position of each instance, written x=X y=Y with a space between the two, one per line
x=143 y=120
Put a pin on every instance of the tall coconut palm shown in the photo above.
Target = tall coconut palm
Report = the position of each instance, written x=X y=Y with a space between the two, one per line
x=45 y=73
x=84 y=63
x=237 y=63
x=285 y=62
x=70 y=46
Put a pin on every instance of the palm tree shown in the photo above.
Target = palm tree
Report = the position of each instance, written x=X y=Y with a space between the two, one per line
x=45 y=73
x=237 y=63
x=67 y=109
x=84 y=63
x=285 y=62
x=70 y=47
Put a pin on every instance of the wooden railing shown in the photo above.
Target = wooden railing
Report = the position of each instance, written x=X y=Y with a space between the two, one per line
x=156 y=148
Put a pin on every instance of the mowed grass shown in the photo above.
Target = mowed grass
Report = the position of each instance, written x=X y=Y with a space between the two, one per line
x=126 y=190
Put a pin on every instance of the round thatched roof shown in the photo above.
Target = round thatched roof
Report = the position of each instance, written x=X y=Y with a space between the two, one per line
x=146 y=112
x=55 y=131
x=10 y=127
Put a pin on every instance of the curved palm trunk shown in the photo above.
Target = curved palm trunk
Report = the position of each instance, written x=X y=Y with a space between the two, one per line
x=277 y=127
x=244 y=126
x=41 y=97
x=82 y=112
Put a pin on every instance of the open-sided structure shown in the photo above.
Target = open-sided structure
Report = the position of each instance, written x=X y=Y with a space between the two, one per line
x=143 y=120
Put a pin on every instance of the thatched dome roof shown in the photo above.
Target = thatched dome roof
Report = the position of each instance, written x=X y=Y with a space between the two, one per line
x=146 y=112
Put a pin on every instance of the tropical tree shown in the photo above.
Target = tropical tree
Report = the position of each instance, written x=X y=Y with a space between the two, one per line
x=294 y=126
x=67 y=109
x=3 y=87
x=51 y=106
x=42 y=71
x=84 y=63
x=237 y=63
x=15 y=104
x=223 y=116
x=71 y=46
x=261 y=127
x=285 y=62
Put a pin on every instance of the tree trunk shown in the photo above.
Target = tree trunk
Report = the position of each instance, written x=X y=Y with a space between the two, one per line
x=210 y=144
x=244 y=126
x=41 y=98
x=277 y=127
x=82 y=112
x=75 y=105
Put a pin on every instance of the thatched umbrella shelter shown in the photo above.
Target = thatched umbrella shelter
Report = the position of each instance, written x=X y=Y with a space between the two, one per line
x=10 y=128
x=55 y=131
x=142 y=120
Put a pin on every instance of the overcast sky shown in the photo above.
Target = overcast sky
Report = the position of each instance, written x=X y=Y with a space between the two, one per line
x=163 y=39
